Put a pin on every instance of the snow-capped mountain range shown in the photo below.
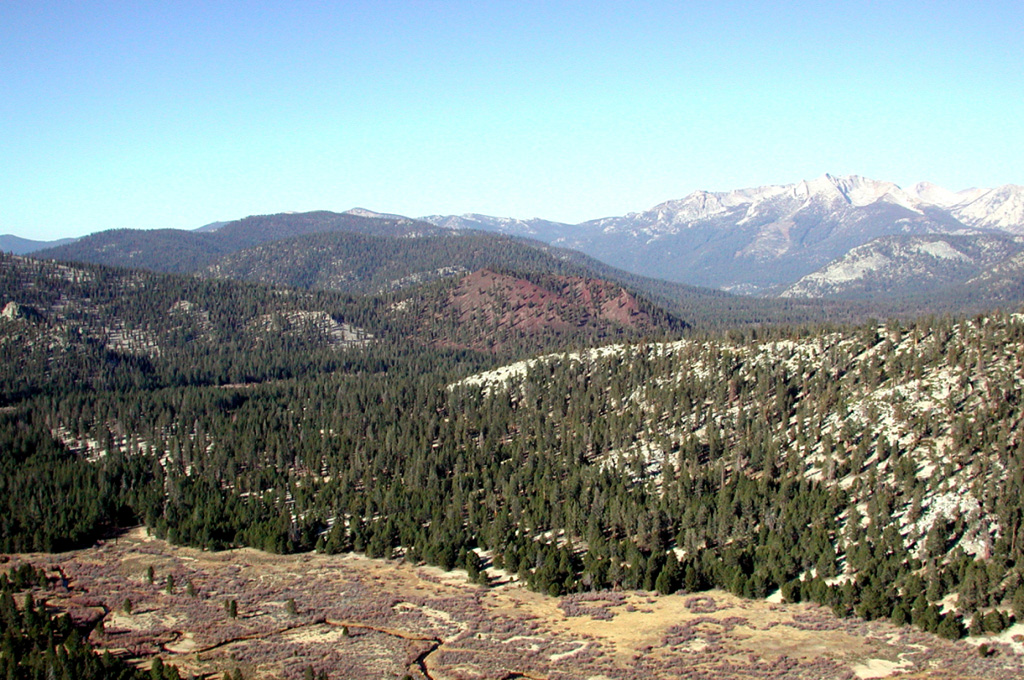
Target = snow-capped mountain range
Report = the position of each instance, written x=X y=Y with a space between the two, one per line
x=833 y=236
x=761 y=240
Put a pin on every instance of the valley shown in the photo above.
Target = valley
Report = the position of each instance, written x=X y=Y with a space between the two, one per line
x=353 y=444
x=511 y=341
x=353 y=617
x=841 y=238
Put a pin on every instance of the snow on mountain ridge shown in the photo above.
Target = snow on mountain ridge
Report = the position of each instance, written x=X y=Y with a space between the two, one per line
x=759 y=239
x=999 y=208
x=828 y=190
x=861 y=191
x=535 y=227
x=756 y=202
x=926 y=192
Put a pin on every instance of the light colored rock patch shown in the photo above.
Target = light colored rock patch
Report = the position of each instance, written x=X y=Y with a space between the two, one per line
x=878 y=668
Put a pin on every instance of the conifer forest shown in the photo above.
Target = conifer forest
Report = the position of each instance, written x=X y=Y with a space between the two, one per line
x=531 y=426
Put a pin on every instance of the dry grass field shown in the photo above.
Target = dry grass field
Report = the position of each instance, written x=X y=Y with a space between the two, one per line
x=353 y=617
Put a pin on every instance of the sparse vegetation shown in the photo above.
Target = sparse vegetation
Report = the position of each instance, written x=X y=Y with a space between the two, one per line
x=39 y=644
x=399 y=616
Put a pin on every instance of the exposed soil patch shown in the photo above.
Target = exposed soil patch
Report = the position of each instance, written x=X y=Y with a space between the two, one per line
x=488 y=305
x=359 y=618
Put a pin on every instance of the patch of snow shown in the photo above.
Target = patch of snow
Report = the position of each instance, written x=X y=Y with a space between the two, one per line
x=363 y=212
x=926 y=192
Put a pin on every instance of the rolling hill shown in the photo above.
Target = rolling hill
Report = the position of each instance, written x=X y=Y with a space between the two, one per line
x=23 y=246
x=181 y=251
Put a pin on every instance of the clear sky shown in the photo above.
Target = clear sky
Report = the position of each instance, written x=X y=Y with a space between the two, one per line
x=175 y=114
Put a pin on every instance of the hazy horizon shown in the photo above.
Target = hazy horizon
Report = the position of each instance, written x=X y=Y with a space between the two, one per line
x=176 y=116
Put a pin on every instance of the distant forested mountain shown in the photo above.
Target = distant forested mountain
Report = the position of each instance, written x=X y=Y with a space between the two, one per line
x=494 y=311
x=876 y=469
x=80 y=326
x=23 y=246
x=175 y=250
x=364 y=252
x=951 y=271
x=909 y=265
x=160 y=250
x=360 y=263
x=793 y=238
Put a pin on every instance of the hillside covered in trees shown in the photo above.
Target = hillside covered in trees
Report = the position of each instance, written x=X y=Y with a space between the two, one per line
x=594 y=441
x=364 y=253
x=177 y=250
x=888 y=456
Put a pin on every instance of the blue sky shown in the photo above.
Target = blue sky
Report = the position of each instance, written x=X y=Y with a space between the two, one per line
x=175 y=114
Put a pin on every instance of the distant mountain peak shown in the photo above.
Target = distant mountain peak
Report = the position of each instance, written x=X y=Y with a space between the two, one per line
x=17 y=245
x=212 y=226
x=852 y=190
x=752 y=240
x=926 y=192
x=756 y=239
x=363 y=212
x=999 y=208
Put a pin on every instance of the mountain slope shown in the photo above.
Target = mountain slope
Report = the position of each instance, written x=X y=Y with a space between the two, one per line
x=543 y=230
x=494 y=311
x=1001 y=208
x=750 y=240
x=23 y=246
x=173 y=250
x=159 y=250
x=361 y=263
x=1003 y=281
x=89 y=327
x=541 y=296
x=914 y=431
x=907 y=265
x=364 y=264
x=877 y=470
x=758 y=239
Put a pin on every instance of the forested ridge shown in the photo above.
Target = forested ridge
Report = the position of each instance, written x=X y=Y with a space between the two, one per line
x=877 y=469
x=86 y=326
x=180 y=251
x=362 y=253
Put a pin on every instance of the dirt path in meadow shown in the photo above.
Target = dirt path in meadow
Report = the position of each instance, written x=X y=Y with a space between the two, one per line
x=293 y=612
